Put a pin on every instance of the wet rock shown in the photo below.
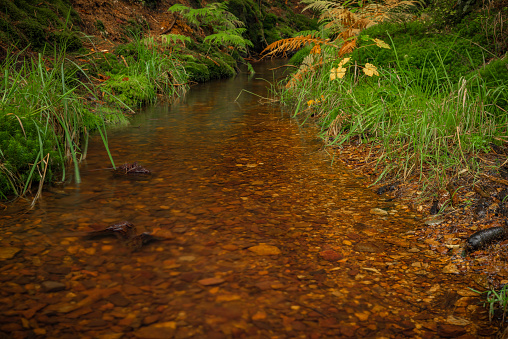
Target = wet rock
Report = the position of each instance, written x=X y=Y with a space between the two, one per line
x=187 y=258
x=434 y=209
x=163 y=330
x=263 y=249
x=179 y=229
x=450 y=331
x=8 y=252
x=118 y=300
x=367 y=247
x=451 y=268
x=230 y=247
x=190 y=276
x=387 y=188
x=457 y=321
x=52 y=286
x=98 y=323
x=330 y=255
x=434 y=221
x=148 y=320
x=58 y=269
x=378 y=211
x=211 y=281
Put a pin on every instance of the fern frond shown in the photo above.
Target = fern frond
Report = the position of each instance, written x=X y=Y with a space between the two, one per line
x=320 y=5
x=228 y=38
x=175 y=38
x=214 y=14
x=312 y=33
x=291 y=44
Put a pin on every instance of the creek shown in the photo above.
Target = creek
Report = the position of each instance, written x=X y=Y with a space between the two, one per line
x=261 y=235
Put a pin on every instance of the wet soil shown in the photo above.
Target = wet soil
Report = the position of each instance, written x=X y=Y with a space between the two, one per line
x=263 y=238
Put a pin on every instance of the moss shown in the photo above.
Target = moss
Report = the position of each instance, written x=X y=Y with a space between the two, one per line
x=97 y=117
x=133 y=90
x=496 y=72
x=127 y=50
x=33 y=32
x=248 y=12
x=21 y=148
x=228 y=59
x=269 y=21
x=219 y=69
x=71 y=40
x=301 y=22
x=11 y=10
x=427 y=55
x=36 y=23
x=197 y=72
x=297 y=59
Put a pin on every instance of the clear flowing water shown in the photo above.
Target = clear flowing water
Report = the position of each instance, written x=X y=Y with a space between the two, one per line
x=260 y=236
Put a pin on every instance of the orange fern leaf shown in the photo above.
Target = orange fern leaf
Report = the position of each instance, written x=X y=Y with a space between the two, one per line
x=291 y=44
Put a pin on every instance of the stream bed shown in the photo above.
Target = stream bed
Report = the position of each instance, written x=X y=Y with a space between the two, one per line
x=260 y=235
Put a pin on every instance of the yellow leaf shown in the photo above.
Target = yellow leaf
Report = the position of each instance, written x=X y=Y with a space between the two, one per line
x=370 y=70
x=344 y=61
x=380 y=43
x=311 y=102
x=337 y=73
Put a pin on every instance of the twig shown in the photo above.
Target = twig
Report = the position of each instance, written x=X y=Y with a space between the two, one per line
x=273 y=69
x=498 y=180
x=124 y=61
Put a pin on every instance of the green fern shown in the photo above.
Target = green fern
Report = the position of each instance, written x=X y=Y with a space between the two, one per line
x=313 y=34
x=215 y=15
x=175 y=39
x=226 y=27
x=230 y=38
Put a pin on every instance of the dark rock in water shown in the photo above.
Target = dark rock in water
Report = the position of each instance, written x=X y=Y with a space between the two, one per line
x=118 y=300
x=128 y=234
x=135 y=243
x=123 y=231
x=52 y=286
x=133 y=168
x=387 y=188
x=484 y=238
x=434 y=209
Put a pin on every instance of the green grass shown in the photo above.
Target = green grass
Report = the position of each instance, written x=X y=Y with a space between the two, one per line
x=43 y=122
x=496 y=301
x=423 y=124
x=149 y=71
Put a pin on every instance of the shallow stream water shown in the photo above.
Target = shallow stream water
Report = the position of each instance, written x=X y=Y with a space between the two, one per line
x=260 y=236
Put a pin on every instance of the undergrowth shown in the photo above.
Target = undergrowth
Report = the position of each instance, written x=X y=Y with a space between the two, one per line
x=145 y=68
x=424 y=113
x=43 y=122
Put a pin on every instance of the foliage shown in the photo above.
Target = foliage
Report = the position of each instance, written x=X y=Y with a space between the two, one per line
x=426 y=116
x=497 y=301
x=449 y=56
x=131 y=90
x=42 y=122
x=416 y=132
x=150 y=70
x=225 y=27
x=25 y=23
